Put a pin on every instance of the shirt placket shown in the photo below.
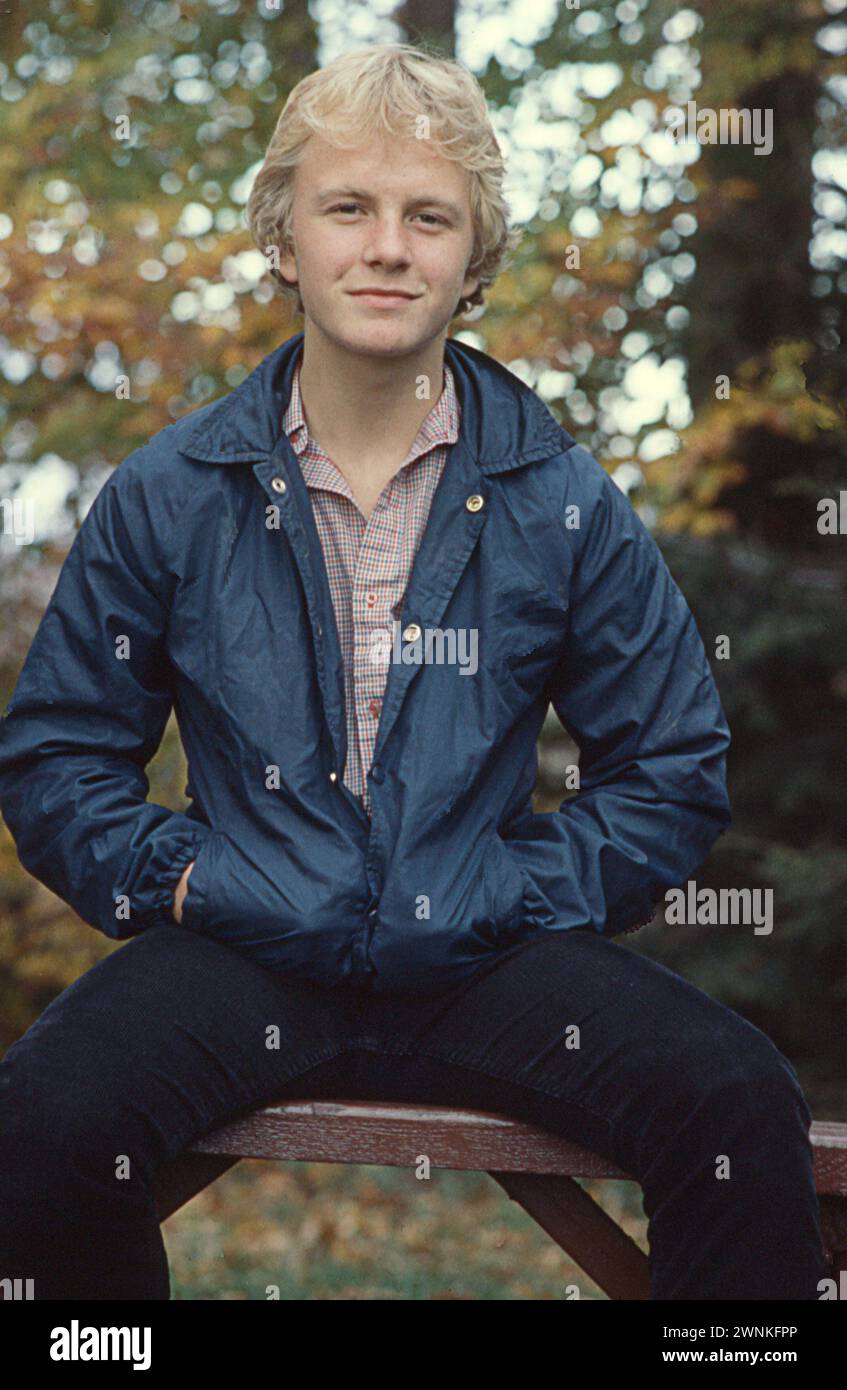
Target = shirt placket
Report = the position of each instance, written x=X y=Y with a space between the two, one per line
x=368 y=565
x=375 y=593
x=341 y=527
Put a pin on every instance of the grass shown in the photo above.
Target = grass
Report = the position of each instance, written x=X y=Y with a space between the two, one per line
x=313 y=1231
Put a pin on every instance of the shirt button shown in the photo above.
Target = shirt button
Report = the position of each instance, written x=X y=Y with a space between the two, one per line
x=412 y=633
x=475 y=502
x=278 y=484
x=375 y=706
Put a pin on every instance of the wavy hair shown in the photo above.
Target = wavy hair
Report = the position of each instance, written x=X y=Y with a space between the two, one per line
x=387 y=88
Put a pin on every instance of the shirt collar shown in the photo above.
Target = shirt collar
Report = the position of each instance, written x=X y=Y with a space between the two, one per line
x=441 y=427
x=504 y=423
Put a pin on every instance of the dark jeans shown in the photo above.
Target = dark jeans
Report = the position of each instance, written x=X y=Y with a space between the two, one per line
x=166 y=1038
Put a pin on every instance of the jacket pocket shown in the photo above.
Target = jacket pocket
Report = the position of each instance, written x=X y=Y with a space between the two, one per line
x=505 y=888
x=202 y=875
x=542 y=631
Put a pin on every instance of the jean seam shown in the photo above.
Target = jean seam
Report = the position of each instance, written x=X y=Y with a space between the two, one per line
x=315 y=1062
x=271 y=1096
x=489 y=1072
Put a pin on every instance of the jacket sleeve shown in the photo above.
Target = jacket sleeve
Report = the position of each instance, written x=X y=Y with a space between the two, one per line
x=86 y=716
x=634 y=689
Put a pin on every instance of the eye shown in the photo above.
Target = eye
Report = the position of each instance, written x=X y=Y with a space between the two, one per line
x=356 y=207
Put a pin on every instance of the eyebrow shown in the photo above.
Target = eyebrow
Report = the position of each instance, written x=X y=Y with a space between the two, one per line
x=327 y=194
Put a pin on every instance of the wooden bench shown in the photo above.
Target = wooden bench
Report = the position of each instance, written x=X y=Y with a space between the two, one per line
x=535 y=1167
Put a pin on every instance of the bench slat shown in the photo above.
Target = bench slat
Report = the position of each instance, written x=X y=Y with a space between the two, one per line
x=394 y=1133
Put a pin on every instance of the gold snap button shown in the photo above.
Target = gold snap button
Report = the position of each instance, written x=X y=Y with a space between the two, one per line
x=278 y=484
x=412 y=633
x=475 y=502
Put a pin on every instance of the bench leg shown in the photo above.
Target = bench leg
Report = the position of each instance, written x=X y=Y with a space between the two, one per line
x=181 y=1178
x=834 y=1227
x=583 y=1230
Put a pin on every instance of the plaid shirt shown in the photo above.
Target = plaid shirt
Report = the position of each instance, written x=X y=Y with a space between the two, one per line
x=369 y=559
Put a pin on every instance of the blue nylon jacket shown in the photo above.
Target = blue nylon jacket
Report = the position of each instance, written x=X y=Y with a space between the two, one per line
x=195 y=552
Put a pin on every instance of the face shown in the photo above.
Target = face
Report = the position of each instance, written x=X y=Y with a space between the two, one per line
x=393 y=215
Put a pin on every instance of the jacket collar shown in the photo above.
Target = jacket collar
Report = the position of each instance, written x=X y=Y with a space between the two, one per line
x=504 y=423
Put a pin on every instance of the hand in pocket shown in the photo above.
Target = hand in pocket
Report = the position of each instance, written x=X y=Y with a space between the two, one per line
x=180 y=892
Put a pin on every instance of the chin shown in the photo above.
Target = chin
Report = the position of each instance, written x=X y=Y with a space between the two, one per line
x=381 y=335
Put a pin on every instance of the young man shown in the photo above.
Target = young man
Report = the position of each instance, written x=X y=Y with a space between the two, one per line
x=361 y=578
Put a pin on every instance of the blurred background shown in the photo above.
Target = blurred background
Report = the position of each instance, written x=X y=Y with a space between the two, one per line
x=681 y=307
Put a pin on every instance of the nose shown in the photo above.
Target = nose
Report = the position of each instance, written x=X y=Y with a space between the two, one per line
x=387 y=243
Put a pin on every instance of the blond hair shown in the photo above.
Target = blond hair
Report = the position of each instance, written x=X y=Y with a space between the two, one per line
x=388 y=88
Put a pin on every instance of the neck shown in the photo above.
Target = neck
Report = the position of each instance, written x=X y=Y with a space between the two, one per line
x=367 y=407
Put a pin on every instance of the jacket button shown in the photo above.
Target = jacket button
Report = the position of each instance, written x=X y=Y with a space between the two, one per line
x=377 y=774
x=278 y=484
x=333 y=777
x=475 y=502
x=412 y=633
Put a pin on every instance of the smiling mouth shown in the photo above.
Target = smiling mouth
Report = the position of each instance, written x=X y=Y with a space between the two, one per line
x=382 y=294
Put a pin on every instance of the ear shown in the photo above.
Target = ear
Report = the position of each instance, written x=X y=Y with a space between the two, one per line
x=469 y=284
x=288 y=266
